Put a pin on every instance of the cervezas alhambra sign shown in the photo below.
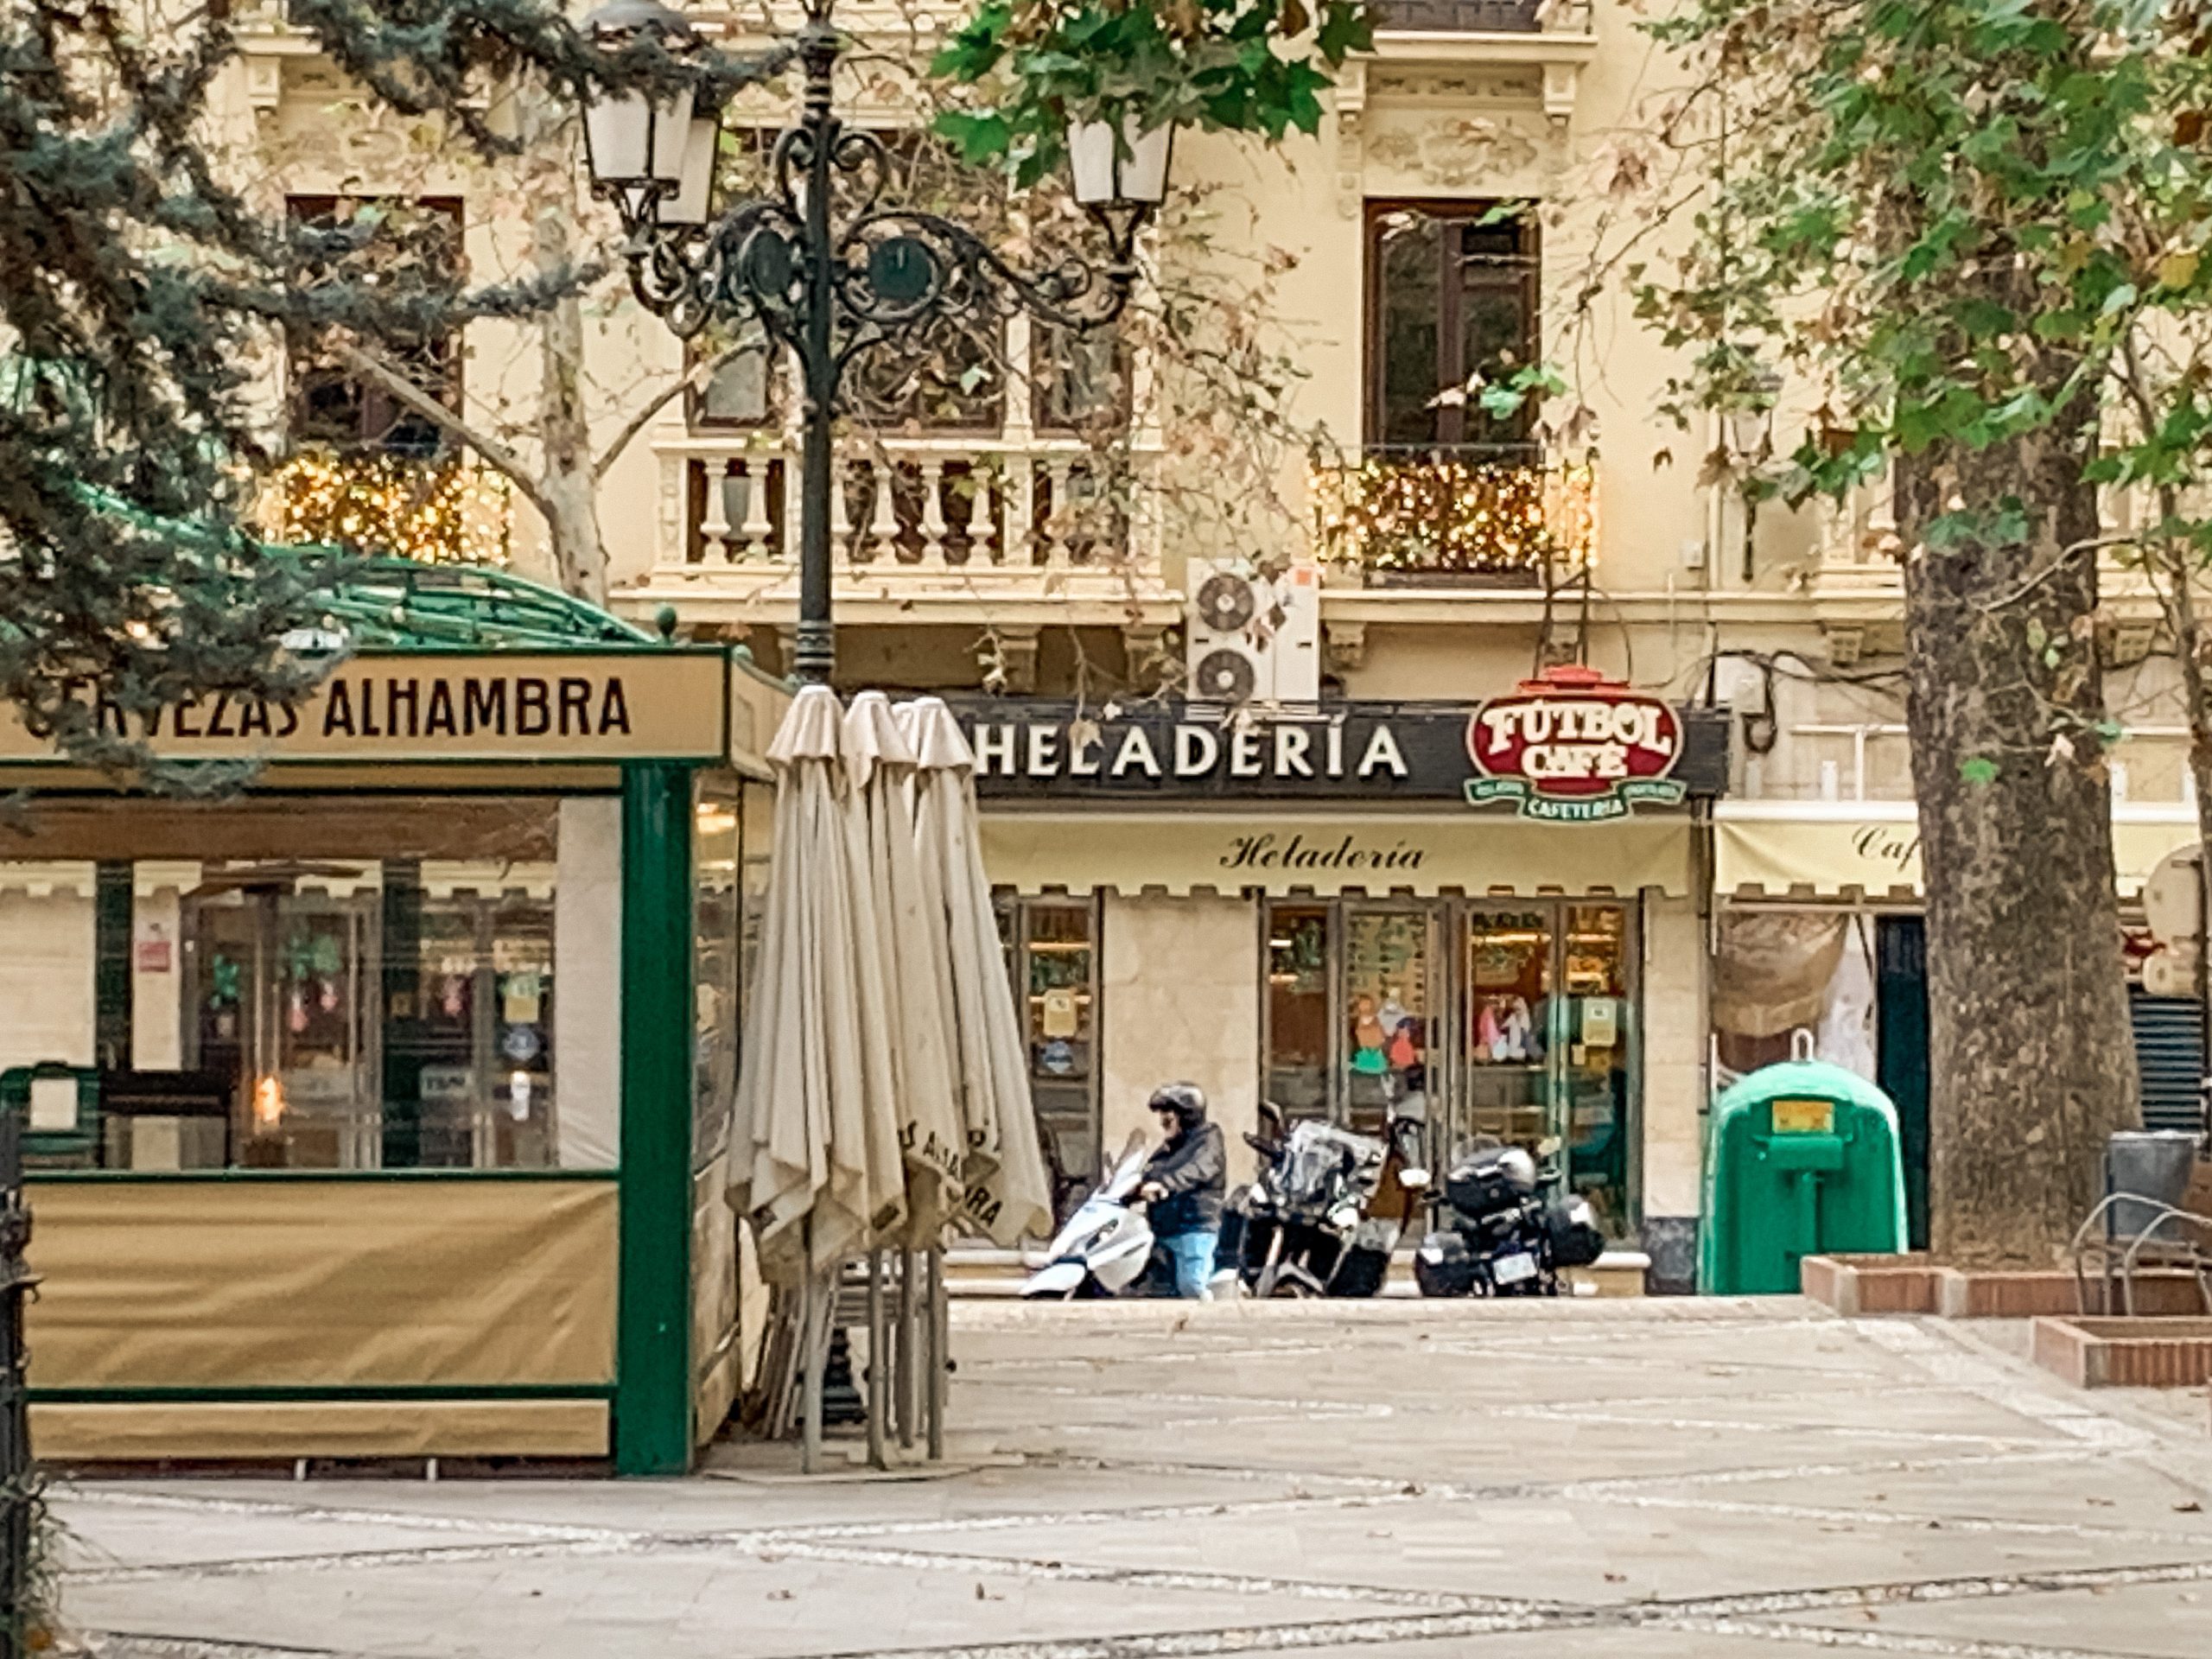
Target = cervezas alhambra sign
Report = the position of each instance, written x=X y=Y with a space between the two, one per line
x=435 y=707
x=1573 y=747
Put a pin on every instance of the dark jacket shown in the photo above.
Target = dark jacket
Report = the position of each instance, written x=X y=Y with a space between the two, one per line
x=1193 y=1165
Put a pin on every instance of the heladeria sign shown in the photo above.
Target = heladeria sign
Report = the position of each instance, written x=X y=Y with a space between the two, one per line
x=1566 y=752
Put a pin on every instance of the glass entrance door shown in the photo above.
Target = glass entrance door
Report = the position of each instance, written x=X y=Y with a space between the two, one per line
x=1591 y=1050
x=1508 y=976
x=1547 y=993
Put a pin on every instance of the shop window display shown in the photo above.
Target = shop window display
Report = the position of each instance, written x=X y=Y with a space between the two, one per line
x=1509 y=979
x=1051 y=947
x=1776 y=973
x=1520 y=1031
x=1299 y=1022
x=1387 y=990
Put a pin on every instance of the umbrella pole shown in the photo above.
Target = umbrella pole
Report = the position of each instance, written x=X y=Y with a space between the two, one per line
x=903 y=1374
x=940 y=1322
x=814 y=1337
x=879 y=1369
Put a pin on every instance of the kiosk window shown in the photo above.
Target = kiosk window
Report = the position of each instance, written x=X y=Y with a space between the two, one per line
x=319 y=984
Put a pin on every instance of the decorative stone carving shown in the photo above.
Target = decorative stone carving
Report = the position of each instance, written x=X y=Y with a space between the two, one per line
x=264 y=85
x=1013 y=650
x=1343 y=646
x=1521 y=84
x=1143 y=647
x=1561 y=81
x=1456 y=151
x=1352 y=121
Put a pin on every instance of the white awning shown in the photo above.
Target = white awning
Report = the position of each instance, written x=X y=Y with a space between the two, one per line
x=1825 y=849
x=1324 y=852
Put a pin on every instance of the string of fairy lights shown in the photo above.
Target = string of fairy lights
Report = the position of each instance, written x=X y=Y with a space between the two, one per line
x=446 y=510
x=1463 y=517
x=1381 y=513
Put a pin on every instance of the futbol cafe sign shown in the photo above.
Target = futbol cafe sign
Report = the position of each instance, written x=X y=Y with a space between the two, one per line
x=1575 y=748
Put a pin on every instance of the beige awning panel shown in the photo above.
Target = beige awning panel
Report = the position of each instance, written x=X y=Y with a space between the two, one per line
x=1186 y=852
x=214 y=1283
x=1876 y=852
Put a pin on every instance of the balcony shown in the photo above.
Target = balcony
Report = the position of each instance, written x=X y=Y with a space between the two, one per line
x=1461 y=16
x=1466 y=517
x=1006 y=526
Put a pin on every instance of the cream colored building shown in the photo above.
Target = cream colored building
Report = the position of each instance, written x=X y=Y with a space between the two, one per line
x=1550 y=976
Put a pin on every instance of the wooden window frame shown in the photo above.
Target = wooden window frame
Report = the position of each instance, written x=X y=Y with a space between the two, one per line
x=1450 y=294
x=381 y=412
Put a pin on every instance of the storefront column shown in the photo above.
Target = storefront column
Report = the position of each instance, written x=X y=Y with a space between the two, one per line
x=1673 y=1125
x=1180 y=989
x=652 y=1397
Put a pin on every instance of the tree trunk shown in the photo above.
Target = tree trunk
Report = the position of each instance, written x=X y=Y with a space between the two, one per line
x=2030 y=1061
x=567 y=478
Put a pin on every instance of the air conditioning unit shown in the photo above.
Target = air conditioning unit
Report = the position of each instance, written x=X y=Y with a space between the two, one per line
x=1251 y=637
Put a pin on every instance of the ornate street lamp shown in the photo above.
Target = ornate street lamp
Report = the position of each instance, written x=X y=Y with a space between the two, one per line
x=832 y=286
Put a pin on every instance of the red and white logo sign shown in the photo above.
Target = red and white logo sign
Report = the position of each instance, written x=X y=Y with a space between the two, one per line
x=1573 y=747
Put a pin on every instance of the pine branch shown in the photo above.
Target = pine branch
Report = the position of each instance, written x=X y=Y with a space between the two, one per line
x=500 y=456
x=694 y=379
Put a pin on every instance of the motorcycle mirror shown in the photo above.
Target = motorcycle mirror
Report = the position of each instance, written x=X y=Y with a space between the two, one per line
x=1414 y=1178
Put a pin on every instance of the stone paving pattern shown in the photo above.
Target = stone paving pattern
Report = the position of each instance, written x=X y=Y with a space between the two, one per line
x=1708 y=1479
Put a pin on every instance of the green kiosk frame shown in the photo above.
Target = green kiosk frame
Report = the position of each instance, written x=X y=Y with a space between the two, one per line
x=378 y=1247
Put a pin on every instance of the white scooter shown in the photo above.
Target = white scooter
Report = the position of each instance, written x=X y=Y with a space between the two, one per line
x=1107 y=1243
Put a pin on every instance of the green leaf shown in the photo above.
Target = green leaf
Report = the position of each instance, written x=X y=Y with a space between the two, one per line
x=979 y=138
x=1979 y=771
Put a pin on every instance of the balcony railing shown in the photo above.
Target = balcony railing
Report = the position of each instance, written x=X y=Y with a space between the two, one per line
x=1461 y=16
x=1465 y=517
x=981 y=505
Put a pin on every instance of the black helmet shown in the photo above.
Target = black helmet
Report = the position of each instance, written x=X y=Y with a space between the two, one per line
x=1186 y=1100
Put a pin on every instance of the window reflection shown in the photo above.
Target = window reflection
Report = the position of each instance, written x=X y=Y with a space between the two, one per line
x=320 y=983
x=1298 y=1009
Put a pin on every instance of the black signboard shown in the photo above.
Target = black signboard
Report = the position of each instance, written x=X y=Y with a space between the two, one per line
x=1045 y=749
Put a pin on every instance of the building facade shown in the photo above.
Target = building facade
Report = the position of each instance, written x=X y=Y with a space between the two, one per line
x=1107 y=536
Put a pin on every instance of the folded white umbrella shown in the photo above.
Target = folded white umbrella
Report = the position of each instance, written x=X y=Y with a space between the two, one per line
x=814 y=1158
x=1009 y=1196
x=911 y=957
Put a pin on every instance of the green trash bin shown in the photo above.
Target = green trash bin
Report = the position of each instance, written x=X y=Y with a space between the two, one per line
x=1802 y=1161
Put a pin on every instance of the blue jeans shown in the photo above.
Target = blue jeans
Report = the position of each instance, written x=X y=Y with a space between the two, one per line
x=1193 y=1255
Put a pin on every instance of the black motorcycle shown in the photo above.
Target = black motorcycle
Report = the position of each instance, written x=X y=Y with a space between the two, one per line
x=1327 y=1209
x=1504 y=1231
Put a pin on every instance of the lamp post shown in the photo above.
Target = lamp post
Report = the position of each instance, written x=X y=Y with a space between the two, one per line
x=828 y=269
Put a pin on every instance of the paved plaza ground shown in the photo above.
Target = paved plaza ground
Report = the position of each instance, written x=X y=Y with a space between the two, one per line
x=1607 y=1480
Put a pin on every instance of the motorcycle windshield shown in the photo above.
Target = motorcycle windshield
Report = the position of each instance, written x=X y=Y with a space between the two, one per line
x=1322 y=1162
x=1128 y=1170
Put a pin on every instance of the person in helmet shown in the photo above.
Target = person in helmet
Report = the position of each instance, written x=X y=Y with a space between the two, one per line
x=1183 y=1185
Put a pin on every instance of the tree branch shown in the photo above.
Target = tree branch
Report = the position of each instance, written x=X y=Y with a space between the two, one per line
x=500 y=457
x=694 y=378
